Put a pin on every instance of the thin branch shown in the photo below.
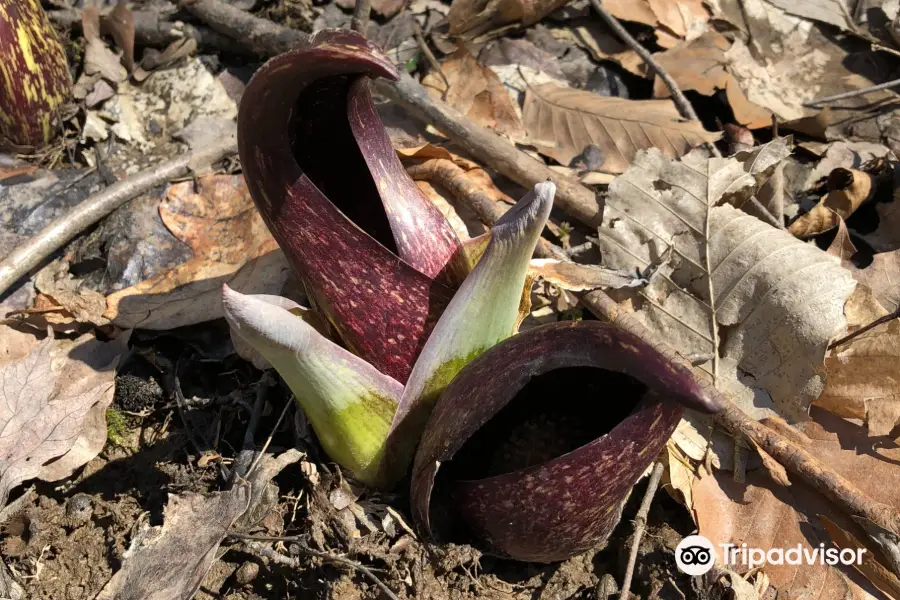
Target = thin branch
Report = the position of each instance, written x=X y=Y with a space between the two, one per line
x=853 y=94
x=360 y=20
x=265 y=446
x=640 y=523
x=865 y=328
x=429 y=56
x=253 y=543
x=684 y=107
x=37 y=249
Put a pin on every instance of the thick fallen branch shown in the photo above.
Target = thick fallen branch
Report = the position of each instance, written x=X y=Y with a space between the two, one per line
x=453 y=178
x=268 y=39
x=155 y=30
x=56 y=235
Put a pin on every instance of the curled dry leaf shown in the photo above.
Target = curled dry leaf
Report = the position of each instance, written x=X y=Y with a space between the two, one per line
x=781 y=300
x=47 y=398
x=701 y=66
x=580 y=278
x=475 y=91
x=562 y=122
x=193 y=527
x=766 y=515
x=848 y=189
x=216 y=218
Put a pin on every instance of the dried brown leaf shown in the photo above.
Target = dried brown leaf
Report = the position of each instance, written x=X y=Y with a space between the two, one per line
x=171 y=560
x=216 y=218
x=882 y=276
x=849 y=188
x=47 y=398
x=874 y=571
x=701 y=66
x=562 y=122
x=475 y=91
x=579 y=278
x=765 y=515
x=781 y=300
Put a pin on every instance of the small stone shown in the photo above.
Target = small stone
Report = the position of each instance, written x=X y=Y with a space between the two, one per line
x=79 y=509
x=246 y=573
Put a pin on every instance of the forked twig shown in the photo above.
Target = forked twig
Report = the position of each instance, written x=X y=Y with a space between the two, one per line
x=253 y=542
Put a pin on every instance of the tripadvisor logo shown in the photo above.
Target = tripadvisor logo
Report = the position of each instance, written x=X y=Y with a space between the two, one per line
x=696 y=555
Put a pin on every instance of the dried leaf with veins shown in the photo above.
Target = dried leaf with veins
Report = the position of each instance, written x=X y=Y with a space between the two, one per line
x=47 y=399
x=193 y=527
x=562 y=122
x=215 y=217
x=701 y=66
x=780 y=300
x=763 y=514
x=475 y=91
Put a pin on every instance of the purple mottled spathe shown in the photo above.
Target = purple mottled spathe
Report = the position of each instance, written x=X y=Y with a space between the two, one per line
x=376 y=256
x=564 y=506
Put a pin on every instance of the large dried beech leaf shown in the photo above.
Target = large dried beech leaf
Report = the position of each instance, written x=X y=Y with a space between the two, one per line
x=863 y=379
x=215 y=217
x=476 y=91
x=47 y=399
x=562 y=122
x=171 y=560
x=736 y=288
x=763 y=514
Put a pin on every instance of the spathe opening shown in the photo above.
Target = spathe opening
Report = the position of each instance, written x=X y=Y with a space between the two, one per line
x=324 y=147
x=554 y=414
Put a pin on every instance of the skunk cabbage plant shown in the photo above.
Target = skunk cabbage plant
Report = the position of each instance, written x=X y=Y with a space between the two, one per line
x=34 y=75
x=412 y=307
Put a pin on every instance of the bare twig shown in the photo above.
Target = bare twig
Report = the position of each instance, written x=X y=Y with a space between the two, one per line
x=265 y=446
x=360 y=20
x=252 y=542
x=684 y=107
x=640 y=523
x=429 y=56
x=37 y=249
x=853 y=94
x=865 y=328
